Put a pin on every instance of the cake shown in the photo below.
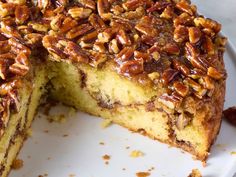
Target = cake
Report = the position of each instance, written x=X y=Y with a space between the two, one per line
x=154 y=67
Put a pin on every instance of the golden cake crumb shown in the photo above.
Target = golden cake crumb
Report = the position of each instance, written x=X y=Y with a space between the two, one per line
x=17 y=164
x=143 y=174
x=195 y=173
x=233 y=153
x=72 y=111
x=106 y=157
x=71 y=175
x=57 y=118
x=102 y=143
x=29 y=132
x=151 y=169
x=136 y=153
x=65 y=135
x=106 y=123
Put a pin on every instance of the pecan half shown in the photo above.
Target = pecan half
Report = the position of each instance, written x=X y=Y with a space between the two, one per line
x=207 y=23
x=125 y=54
x=194 y=34
x=22 y=13
x=181 y=33
x=78 y=12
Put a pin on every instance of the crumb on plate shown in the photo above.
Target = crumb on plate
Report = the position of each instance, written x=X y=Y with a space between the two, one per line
x=17 y=164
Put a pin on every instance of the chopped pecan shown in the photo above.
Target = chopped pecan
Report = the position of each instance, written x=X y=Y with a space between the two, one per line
x=63 y=24
x=113 y=46
x=181 y=67
x=168 y=13
x=184 y=6
x=145 y=26
x=4 y=46
x=183 y=19
x=197 y=60
x=99 y=46
x=78 y=12
x=134 y=4
x=17 y=47
x=197 y=73
x=7 y=9
x=19 y=69
x=141 y=55
x=96 y=22
x=88 y=3
x=208 y=83
x=89 y=37
x=125 y=54
x=75 y=53
x=158 y=6
x=131 y=67
x=19 y=2
x=214 y=73
x=171 y=101
x=21 y=58
x=194 y=34
x=103 y=7
x=208 y=46
x=123 y=37
x=34 y=39
x=181 y=88
x=54 y=48
x=22 y=13
x=194 y=85
x=117 y=9
x=181 y=34
x=44 y=4
x=169 y=75
x=106 y=35
x=171 y=48
x=207 y=23
x=78 y=31
x=97 y=59
x=182 y=121
x=39 y=26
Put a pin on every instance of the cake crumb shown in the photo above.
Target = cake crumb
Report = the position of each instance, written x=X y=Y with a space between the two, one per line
x=230 y=115
x=136 y=153
x=143 y=174
x=46 y=131
x=106 y=123
x=195 y=173
x=123 y=169
x=65 y=135
x=106 y=157
x=127 y=147
x=57 y=118
x=233 y=153
x=102 y=143
x=72 y=111
x=29 y=132
x=71 y=175
x=17 y=164
x=151 y=169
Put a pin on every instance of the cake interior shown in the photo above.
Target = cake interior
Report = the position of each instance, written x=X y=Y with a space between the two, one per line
x=104 y=93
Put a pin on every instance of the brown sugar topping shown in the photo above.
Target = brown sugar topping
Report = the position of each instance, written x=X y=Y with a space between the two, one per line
x=140 y=37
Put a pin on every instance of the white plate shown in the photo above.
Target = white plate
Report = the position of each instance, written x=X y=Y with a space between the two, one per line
x=80 y=153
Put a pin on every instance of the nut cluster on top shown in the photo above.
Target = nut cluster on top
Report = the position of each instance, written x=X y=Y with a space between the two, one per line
x=165 y=41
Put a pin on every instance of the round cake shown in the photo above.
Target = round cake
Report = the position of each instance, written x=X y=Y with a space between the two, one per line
x=153 y=66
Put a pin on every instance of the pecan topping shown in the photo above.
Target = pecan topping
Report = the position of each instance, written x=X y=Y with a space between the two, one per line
x=154 y=42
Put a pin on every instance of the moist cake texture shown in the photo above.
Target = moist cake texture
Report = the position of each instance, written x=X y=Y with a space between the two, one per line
x=155 y=67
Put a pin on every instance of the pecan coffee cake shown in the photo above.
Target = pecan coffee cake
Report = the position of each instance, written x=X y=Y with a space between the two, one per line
x=153 y=66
